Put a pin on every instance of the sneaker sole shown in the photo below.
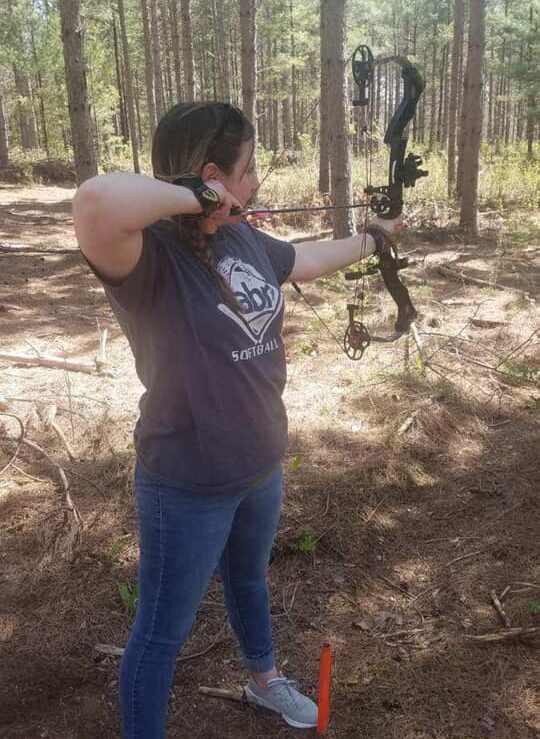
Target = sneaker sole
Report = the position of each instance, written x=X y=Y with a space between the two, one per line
x=259 y=701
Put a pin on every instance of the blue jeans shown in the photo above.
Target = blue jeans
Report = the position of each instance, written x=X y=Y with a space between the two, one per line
x=184 y=536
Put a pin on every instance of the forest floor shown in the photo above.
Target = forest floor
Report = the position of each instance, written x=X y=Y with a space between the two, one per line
x=411 y=497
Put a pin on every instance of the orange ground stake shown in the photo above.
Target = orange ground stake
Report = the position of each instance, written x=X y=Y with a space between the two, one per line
x=325 y=675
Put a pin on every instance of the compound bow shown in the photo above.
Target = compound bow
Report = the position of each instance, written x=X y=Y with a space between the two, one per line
x=386 y=201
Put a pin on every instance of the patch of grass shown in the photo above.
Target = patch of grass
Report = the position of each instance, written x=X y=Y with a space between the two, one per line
x=119 y=546
x=308 y=541
x=520 y=231
x=295 y=463
x=308 y=347
x=521 y=374
x=129 y=595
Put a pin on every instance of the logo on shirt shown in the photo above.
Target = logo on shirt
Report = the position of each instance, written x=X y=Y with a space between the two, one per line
x=259 y=300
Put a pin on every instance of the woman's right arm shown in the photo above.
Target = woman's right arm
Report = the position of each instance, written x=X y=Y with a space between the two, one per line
x=110 y=211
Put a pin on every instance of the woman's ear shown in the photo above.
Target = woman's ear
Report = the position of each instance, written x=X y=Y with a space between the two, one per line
x=210 y=171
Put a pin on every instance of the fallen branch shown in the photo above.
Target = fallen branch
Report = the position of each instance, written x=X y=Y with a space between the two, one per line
x=55 y=363
x=233 y=695
x=77 y=520
x=486 y=323
x=447 y=272
x=63 y=481
x=36 y=250
x=464 y=556
x=500 y=611
x=507 y=635
x=111 y=650
x=48 y=417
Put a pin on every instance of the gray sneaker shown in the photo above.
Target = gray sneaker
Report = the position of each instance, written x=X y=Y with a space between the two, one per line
x=282 y=696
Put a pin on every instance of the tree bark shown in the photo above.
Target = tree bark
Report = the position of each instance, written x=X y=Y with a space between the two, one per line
x=338 y=116
x=457 y=48
x=324 y=143
x=473 y=134
x=157 y=60
x=248 y=29
x=123 y=121
x=187 y=51
x=76 y=82
x=175 y=42
x=148 y=69
x=531 y=100
x=130 y=97
x=4 y=141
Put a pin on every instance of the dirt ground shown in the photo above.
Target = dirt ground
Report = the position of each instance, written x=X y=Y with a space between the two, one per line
x=411 y=497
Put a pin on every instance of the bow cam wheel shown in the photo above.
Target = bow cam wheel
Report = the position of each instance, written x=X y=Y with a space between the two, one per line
x=356 y=340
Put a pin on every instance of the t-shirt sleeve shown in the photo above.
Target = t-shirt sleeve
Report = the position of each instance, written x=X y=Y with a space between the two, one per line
x=280 y=253
x=137 y=290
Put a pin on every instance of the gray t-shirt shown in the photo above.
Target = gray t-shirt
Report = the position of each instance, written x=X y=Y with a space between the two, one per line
x=212 y=417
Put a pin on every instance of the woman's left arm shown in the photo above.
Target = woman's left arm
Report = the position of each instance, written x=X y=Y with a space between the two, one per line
x=317 y=258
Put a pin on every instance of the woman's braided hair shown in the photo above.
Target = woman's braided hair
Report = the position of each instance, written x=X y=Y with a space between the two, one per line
x=187 y=137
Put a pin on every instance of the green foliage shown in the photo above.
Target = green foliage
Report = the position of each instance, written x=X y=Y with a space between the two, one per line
x=129 y=595
x=307 y=346
x=521 y=374
x=307 y=541
x=295 y=463
x=534 y=608
x=118 y=547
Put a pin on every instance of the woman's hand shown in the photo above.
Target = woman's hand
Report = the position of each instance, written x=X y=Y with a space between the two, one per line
x=393 y=226
x=222 y=215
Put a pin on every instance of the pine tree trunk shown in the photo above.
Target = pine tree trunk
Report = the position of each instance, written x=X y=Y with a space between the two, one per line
x=274 y=103
x=79 y=107
x=221 y=53
x=164 y=26
x=157 y=65
x=433 y=96
x=293 y=81
x=338 y=116
x=175 y=41
x=491 y=95
x=123 y=121
x=4 y=142
x=531 y=100
x=130 y=97
x=442 y=87
x=233 y=66
x=457 y=47
x=325 y=134
x=248 y=30
x=473 y=134
x=148 y=69
x=43 y=117
x=187 y=51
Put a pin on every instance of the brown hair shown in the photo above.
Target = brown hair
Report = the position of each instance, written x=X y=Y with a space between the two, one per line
x=187 y=137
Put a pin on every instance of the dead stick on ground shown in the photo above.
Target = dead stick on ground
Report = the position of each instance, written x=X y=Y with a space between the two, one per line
x=498 y=607
x=63 y=480
x=464 y=556
x=54 y=363
x=477 y=281
x=233 y=695
x=517 y=633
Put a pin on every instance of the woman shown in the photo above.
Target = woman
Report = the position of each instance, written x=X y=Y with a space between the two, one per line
x=197 y=292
